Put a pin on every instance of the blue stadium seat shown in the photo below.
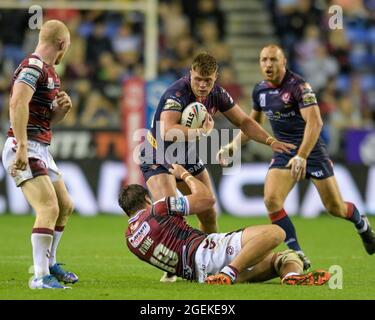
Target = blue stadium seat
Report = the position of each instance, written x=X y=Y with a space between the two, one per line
x=343 y=82
x=367 y=82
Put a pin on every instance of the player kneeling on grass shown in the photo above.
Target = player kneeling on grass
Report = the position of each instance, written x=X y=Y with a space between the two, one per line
x=158 y=234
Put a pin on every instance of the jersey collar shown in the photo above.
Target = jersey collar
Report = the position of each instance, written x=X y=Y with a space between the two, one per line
x=136 y=216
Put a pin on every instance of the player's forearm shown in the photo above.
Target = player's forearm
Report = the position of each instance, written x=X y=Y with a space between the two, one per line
x=58 y=115
x=252 y=130
x=19 y=116
x=242 y=138
x=310 y=137
x=201 y=198
x=237 y=142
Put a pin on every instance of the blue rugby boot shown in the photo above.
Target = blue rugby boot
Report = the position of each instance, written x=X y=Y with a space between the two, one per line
x=46 y=282
x=62 y=275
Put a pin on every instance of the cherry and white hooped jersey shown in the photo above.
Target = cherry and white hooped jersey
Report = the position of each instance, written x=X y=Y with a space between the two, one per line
x=43 y=79
x=161 y=237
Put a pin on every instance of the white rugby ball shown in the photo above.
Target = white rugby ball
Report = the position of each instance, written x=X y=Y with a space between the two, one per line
x=193 y=115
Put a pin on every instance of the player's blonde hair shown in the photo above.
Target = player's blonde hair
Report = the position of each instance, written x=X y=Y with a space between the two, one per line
x=53 y=32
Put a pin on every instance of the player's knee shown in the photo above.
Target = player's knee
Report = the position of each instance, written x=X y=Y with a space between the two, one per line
x=272 y=235
x=276 y=235
x=51 y=210
x=279 y=234
x=67 y=208
x=272 y=202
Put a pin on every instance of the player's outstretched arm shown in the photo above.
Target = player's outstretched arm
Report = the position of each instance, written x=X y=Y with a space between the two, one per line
x=200 y=198
x=250 y=130
x=19 y=116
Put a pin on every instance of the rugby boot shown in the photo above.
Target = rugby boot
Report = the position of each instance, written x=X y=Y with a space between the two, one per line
x=46 y=282
x=368 y=238
x=62 y=275
x=313 y=278
x=220 y=278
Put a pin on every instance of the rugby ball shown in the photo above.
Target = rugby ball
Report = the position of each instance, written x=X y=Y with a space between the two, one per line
x=193 y=115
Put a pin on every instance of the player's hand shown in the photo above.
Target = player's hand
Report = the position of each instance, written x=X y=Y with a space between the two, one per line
x=208 y=124
x=280 y=147
x=177 y=170
x=224 y=156
x=63 y=101
x=21 y=160
x=298 y=167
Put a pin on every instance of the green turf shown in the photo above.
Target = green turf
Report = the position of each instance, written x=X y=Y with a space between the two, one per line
x=94 y=248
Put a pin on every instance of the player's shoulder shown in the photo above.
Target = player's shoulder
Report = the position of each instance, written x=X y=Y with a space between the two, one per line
x=294 y=79
x=179 y=88
x=223 y=97
x=160 y=207
x=177 y=95
x=259 y=86
x=218 y=90
x=33 y=61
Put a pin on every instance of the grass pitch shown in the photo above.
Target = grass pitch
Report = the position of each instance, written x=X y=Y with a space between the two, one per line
x=94 y=248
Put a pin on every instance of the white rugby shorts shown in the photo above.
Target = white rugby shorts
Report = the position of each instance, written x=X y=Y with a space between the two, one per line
x=40 y=161
x=215 y=252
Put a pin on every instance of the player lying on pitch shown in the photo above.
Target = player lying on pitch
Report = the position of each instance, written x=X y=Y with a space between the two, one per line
x=158 y=234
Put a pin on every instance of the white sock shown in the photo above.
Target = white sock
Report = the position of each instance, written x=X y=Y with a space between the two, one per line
x=291 y=274
x=41 y=243
x=56 y=239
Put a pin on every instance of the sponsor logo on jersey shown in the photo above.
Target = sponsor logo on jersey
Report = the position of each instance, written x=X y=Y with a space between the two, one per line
x=285 y=97
x=31 y=71
x=177 y=204
x=152 y=140
x=171 y=104
x=308 y=99
x=136 y=239
x=36 y=62
x=229 y=251
x=262 y=99
x=29 y=76
x=146 y=245
x=51 y=84
x=276 y=116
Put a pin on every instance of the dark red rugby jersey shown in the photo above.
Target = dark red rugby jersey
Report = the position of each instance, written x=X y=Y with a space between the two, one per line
x=163 y=240
x=43 y=79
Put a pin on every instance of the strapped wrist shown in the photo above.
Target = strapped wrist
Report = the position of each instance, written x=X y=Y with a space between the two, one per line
x=270 y=140
x=298 y=157
x=183 y=175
